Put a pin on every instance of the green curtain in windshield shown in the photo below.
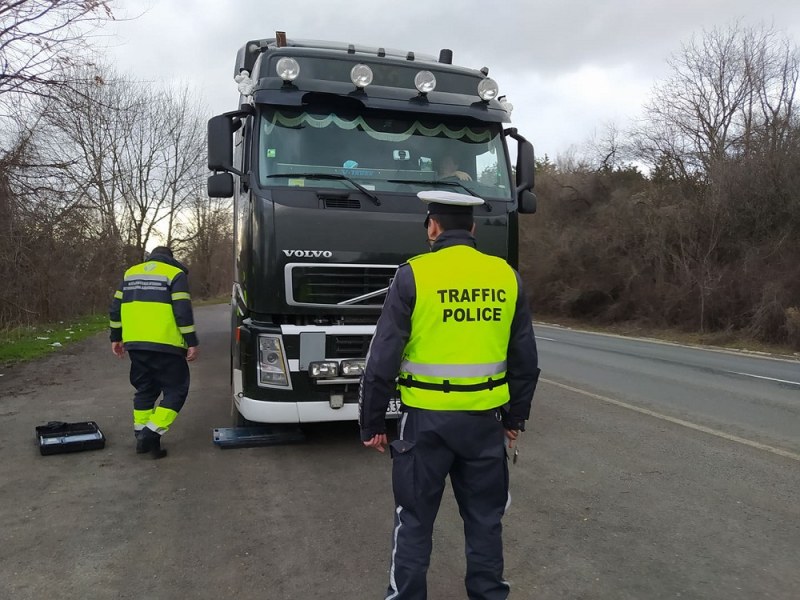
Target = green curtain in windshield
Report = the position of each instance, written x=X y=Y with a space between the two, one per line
x=360 y=122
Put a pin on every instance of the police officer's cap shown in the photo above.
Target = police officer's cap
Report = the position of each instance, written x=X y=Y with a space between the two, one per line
x=448 y=203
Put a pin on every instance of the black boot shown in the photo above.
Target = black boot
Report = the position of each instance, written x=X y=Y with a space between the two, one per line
x=142 y=446
x=148 y=440
x=156 y=451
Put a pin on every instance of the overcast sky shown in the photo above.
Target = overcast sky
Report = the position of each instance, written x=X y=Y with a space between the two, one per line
x=570 y=67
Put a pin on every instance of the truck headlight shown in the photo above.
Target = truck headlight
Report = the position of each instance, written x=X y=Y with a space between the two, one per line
x=273 y=371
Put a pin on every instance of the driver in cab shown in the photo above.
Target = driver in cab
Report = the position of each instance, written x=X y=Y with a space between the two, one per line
x=448 y=168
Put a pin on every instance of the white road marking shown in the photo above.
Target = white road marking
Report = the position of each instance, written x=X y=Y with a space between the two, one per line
x=681 y=422
x=538 y=337
x=739 y=352
x=767 y=378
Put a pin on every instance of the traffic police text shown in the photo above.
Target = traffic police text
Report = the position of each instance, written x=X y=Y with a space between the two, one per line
x=472 y=296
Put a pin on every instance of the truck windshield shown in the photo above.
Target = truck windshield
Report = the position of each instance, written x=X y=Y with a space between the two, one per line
x=387 y=153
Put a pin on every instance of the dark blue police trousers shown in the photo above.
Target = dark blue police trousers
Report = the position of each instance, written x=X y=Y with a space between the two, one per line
x=470 y=448
x=155 y=372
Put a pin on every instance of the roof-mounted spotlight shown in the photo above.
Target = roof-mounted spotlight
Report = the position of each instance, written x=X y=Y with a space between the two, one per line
x=425 y=82
x=288 y=69
x=487 y=89
x=361 y=76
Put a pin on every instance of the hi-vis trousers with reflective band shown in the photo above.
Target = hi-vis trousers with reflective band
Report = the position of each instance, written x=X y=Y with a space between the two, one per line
x=154 y=373
x=470 y=448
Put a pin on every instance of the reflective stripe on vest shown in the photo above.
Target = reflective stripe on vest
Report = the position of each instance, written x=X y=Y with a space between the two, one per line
x=146 y=307
x=455 y=358
x=447 y=371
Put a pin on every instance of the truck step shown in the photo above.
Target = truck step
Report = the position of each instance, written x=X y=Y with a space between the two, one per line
x=264 y=435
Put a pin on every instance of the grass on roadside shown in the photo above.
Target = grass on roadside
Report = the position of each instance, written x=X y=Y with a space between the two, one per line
x=27 y=343
x=21 y=344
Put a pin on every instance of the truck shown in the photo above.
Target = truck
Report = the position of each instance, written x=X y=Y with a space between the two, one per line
x=324 y=159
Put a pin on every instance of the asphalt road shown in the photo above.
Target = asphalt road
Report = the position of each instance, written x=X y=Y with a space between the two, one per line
x=743 y=395
x=608 y=502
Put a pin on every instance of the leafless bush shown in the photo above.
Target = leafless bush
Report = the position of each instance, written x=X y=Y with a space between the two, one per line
x=793 y=326
x=769 y=317
x=708 y=240
x=209 y=247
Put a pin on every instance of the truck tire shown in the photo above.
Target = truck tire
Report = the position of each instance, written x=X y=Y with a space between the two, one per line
x=237 y=420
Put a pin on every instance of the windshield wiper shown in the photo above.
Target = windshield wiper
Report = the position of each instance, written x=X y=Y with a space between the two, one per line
x=335 y=176
x=439 y=182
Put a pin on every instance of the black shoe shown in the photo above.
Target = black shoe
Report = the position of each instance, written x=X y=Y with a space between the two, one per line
x=148 y=441
x=156 y=451
x=142 y=442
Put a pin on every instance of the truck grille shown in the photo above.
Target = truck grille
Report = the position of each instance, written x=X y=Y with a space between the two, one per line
x=347 y=346
x=334 y=285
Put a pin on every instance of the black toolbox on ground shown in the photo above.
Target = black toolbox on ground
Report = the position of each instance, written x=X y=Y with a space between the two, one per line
x=58 y=437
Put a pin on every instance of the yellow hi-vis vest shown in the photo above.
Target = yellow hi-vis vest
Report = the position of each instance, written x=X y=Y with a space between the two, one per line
x=146 y=307
x=455 y=358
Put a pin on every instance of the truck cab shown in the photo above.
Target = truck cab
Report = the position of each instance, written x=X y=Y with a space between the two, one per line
x=324 y=159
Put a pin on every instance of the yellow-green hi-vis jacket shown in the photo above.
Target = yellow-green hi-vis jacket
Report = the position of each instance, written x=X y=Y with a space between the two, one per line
x=152 y=309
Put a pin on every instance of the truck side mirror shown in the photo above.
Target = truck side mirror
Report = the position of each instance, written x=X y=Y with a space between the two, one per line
x=526 y=202
x=526 y=164
x=220 y=143
x=220 y=185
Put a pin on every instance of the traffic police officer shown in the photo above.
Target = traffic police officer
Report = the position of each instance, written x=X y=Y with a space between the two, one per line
x=455 y=336
x=151 y=317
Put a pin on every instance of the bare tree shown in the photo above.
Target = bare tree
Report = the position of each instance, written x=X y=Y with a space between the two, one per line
x=186 y=169
x=726 y=86
x=693 y=111
x=136 y=155
x=209 y=245
x=97 y=171
x=161 y=160
x=40 y=40
x=605 y=150
x=773 y=68
x=81 y=124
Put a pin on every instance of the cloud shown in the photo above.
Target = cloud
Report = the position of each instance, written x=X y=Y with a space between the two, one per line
x=568 y=66
x=567 y=109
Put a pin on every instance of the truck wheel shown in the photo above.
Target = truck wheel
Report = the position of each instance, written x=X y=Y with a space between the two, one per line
x=237 y=420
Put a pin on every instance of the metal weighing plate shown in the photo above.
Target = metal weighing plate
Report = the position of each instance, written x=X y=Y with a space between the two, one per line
x=248 y=437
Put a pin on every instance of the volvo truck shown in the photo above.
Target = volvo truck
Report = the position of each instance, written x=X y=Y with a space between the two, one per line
x=324 y=157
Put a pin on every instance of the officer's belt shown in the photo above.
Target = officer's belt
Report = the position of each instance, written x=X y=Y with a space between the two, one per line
x=448 y=387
